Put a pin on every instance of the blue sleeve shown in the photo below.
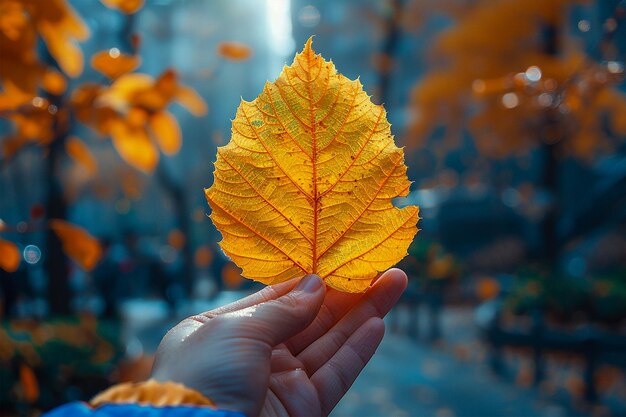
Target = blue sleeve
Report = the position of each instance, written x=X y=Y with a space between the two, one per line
x=81 y=409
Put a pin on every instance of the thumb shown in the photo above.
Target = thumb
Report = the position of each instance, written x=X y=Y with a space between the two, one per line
x=273 y=322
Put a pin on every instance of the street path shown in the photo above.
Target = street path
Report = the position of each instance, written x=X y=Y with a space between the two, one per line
x=412 y=379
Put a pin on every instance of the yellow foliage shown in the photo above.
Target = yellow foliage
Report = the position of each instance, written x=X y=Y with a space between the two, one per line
x=22 y=22
x=133 y=111
x=10 y=256
x=78 y=244
x=53 y=82
x=134 y=145
x=85 y=102
x=165 y=130
x=60 y=27
x=306 y=182
x=497 y=73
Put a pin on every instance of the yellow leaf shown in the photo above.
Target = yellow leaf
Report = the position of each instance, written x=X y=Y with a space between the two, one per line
x=113 y=64
x=306 y=183
x=78 y=244
x=53 y=82
x=81 y=154
x=189 y=99
x=124 y=89
x=126 y=6
x=234 y=51
x=9 y=256
x=90 y=109
x=166 y=131
x=134 y=146
x=60 y=26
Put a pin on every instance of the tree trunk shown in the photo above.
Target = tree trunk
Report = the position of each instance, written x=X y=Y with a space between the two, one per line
x=55 y=261
x=551 y=144
x=388 y=50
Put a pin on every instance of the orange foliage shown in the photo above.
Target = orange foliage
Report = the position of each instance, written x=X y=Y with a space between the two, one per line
x=441 y=267
x=84 y=102
x=231 y=277
x=81 y=154
x=487 y=288
x=28 y=381
x=203 y=257
x=176 y=239
x=126 y=6
x=234 y=51
x=10 y=256
x=512 y=91
x=135 y=117
x=132 y=111
x=112 y=63
x=78 y=244
x=22 y=23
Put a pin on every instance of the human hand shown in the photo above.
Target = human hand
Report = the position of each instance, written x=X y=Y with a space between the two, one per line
x=286 y=350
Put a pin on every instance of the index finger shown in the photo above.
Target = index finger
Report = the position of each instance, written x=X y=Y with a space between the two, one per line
x=266 y=294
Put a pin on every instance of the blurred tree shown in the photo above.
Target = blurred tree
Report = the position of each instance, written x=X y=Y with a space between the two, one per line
x=130 y=108
x=513 y=73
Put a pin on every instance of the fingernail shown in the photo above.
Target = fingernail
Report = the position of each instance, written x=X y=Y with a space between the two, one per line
x=310 y=284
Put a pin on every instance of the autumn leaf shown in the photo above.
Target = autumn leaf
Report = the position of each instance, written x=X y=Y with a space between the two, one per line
x=60 y=27
x=165 y=130
x=9 y=256
x=22 y=24
x=81 y=154
x=126 y=6
x=78 y=244
x=112 y=63
x=234 y=51
x=306 y=183
x=30 y=386
x=141 y=125
x=53 y=82
x=134 y=146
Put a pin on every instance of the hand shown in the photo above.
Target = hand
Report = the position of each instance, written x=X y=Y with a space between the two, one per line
x=286 y=350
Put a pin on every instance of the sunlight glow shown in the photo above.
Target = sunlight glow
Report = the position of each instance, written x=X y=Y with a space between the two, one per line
x=280 y=35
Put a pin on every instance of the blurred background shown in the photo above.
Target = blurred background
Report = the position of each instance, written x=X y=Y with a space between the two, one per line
x=513 y=118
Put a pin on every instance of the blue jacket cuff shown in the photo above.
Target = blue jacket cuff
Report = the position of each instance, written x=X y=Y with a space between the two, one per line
x=81 y=409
